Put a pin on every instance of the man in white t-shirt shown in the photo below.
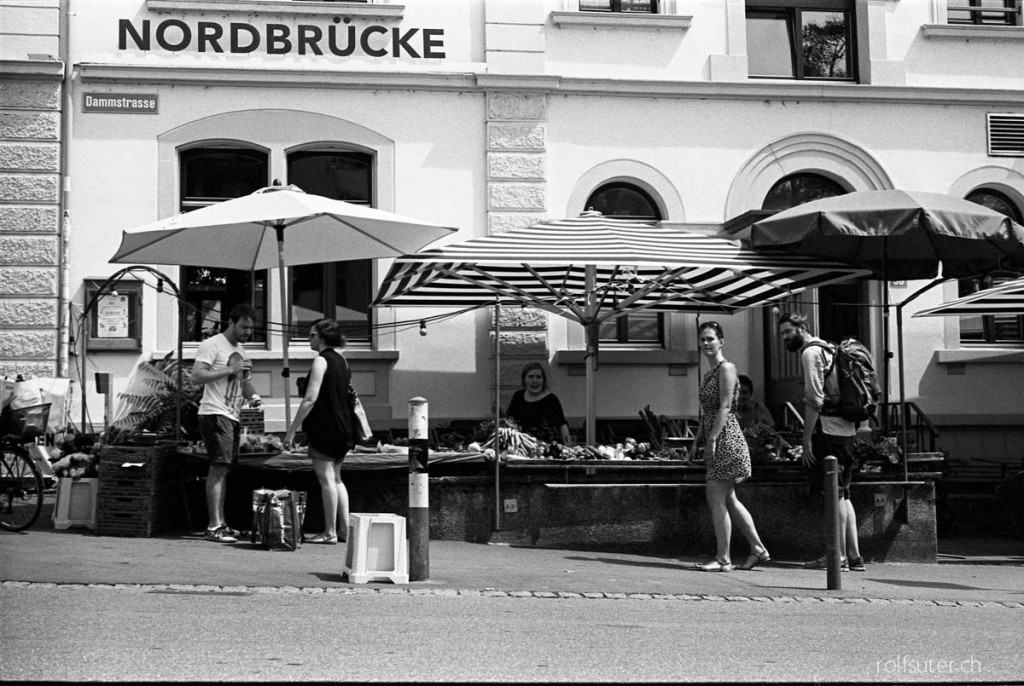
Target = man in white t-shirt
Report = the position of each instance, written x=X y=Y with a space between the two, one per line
x=224 y=370
x=834 y=437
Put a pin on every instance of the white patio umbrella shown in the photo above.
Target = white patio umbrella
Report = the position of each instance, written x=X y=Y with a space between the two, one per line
x=1006 y=299
x=592 y=269
x=250 y=233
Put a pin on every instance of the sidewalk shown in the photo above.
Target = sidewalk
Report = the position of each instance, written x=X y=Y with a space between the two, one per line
x=968 y=572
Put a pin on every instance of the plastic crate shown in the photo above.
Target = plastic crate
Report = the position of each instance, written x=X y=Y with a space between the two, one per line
x=140 y=491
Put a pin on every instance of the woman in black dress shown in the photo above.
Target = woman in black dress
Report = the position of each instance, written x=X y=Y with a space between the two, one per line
x=536 y=410
x=325 y=416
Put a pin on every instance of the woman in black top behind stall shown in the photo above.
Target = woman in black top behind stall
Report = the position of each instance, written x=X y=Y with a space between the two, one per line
x=325 y=416
x=536 y=410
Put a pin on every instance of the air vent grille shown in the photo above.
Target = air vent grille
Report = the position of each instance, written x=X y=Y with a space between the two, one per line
x=1006 y=135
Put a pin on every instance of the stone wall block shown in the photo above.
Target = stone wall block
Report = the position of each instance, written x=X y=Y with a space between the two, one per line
x=27 y=250
x=517 y=196
x=503 y=222
x=521 y=318
x=511 y=165
x=30 y=157
x=28 y=313
x=511 y=107
x=28 y=282
x=28 y=344
x=521 y=344
x=28 y=368
x=30 y=95
x=518 y=136
x=29 y=188
x=30 y=126
x=25 y=219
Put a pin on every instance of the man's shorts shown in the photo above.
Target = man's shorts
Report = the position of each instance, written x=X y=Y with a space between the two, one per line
x=221 y=435
x=842 y=448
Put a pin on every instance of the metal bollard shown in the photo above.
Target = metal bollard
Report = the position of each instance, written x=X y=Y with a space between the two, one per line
x=419 y=492
x=833 y=571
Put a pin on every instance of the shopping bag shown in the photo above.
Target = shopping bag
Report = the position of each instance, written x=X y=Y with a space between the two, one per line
x=277 y=518
x=360 y=424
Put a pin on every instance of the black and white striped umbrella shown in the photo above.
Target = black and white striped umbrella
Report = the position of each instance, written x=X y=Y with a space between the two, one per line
x=593 y=268
x=1004 y=299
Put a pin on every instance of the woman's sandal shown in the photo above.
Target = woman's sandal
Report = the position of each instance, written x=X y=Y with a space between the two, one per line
x=323 y=538
x=715 y=565
x=755 y=559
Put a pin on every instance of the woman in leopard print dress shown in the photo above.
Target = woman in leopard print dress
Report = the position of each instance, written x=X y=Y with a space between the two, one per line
x=726 y=456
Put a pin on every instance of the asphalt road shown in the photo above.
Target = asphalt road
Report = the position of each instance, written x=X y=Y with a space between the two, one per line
x=68 y=633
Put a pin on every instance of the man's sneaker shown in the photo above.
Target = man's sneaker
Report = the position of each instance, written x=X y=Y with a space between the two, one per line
x=221 y=535
x=857 y=564
x=822 y=563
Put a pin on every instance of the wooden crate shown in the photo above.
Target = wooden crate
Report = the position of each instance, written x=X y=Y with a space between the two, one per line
x=140 y=491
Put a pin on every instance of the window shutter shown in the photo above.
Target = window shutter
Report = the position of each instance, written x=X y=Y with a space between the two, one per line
x=1006 y=135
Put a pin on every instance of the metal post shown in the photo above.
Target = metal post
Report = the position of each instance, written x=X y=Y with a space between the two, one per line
x=419 y=493
x=832 y=552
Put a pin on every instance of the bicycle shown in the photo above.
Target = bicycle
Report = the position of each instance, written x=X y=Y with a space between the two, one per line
x=21 y=482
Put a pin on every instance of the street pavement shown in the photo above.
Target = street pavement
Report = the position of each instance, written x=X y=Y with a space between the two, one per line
x=969 y=572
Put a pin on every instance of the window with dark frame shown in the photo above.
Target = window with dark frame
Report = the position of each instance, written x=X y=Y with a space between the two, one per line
x=987 y=12
x=1004 y=329
x=801 y=39
x=637 y=6
x=209 y=176
x=624 y=200
x=335 y=290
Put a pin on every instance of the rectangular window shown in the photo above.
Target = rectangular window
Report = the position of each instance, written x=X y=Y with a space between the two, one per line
x=1005 y=329
x=636 y=329
x=209 y=176
x=998 y=12
x=334 y=290
x=812 y=39
x=641 y=6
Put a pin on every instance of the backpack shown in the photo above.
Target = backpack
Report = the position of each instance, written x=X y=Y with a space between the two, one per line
x=852 y=391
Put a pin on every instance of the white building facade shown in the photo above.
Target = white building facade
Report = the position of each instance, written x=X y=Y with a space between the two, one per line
x=488 y=115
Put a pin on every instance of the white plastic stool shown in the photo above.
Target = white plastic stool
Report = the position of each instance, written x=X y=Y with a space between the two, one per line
x=377 y=549
x=76 y=503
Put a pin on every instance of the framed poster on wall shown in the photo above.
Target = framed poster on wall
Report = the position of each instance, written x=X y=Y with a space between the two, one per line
x=115 y=319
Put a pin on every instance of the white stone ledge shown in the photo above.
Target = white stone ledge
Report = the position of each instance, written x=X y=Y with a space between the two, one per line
x=972 y=32
x=620 y=20
x=986 y=355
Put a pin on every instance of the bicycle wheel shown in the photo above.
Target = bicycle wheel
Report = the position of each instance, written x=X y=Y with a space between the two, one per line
x=21 y=490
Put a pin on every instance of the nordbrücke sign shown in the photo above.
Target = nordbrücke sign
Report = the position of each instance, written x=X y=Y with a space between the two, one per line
x=339 y=37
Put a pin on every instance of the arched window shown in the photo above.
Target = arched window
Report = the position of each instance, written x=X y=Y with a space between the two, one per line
x=624 y=200
x=797 y=189
x=991 y=329
x=208 y=176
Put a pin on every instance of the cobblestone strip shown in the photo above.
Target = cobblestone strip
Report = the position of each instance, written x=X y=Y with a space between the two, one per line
x=208 y=589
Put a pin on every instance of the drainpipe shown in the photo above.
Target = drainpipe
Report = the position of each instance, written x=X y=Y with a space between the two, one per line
x=64 y=271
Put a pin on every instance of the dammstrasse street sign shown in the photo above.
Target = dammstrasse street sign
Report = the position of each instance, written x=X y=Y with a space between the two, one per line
x=121 y=103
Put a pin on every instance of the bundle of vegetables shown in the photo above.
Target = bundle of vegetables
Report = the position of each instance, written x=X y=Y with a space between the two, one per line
x=515 y=442
x=76 y=466
x=259 y=443
x=659 y=427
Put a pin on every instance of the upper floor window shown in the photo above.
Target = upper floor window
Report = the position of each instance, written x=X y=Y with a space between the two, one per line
x=801 y=39
x=991 y=329
x=208 y=176
x=642 y=6
x=628 y=201
x=998 y=12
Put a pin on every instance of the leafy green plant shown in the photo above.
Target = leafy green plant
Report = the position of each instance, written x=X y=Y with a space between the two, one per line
x=149 y=405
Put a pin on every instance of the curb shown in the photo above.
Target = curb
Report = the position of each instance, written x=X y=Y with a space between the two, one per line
x=188 y=589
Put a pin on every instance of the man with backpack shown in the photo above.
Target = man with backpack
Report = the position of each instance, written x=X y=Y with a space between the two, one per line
x=825 y=433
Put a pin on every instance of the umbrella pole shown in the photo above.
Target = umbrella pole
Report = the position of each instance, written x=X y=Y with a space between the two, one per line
x=903 y=397
x=497 y=415
x=886 y=355
x=287 y=318
x=591 y=329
